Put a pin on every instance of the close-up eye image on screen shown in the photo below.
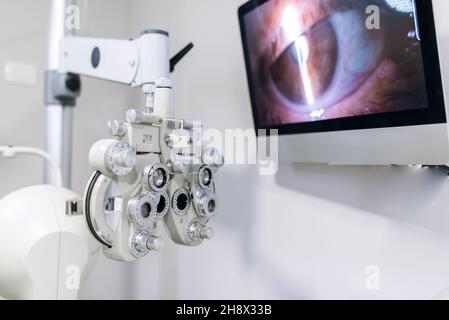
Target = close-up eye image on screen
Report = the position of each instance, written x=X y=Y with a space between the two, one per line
x=313 y=60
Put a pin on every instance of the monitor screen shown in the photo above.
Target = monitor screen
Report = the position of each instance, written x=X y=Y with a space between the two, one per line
x=327 y=65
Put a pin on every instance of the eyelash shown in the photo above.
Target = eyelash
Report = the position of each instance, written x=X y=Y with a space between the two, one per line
x=268 y=59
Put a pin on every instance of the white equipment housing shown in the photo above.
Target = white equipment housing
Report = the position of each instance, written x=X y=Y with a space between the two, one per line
x=45 y=253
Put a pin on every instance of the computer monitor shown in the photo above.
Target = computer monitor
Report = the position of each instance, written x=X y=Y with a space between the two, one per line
x=348 y=81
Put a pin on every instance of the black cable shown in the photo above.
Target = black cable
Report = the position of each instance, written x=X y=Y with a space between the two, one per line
x=92 y=183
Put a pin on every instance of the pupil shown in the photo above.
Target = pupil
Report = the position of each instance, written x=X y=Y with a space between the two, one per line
x=305 y=70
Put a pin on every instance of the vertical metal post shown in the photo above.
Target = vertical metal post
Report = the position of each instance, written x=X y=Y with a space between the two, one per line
x=58 y=118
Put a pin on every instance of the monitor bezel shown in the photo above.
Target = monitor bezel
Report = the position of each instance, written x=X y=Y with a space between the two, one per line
x=435 y=113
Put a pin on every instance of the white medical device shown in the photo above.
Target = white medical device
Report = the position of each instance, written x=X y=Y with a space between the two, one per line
x=46 y=250
x=154 y=169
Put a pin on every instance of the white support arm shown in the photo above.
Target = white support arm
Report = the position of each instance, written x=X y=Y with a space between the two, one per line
x=12 y=152
x=132 y=62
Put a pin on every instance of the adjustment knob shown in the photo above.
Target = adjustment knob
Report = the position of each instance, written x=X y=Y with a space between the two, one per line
x=154 y=243
x=142 y=242
x=197 y=231
x=126 y=159
x=135 y=116
x=112 y=158
x=207 y=233
x=139 y=243
x=116 y=128
x=213 y=157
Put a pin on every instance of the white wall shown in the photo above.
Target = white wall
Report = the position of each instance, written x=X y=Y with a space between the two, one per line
x=22 y=38
x=308 y=232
